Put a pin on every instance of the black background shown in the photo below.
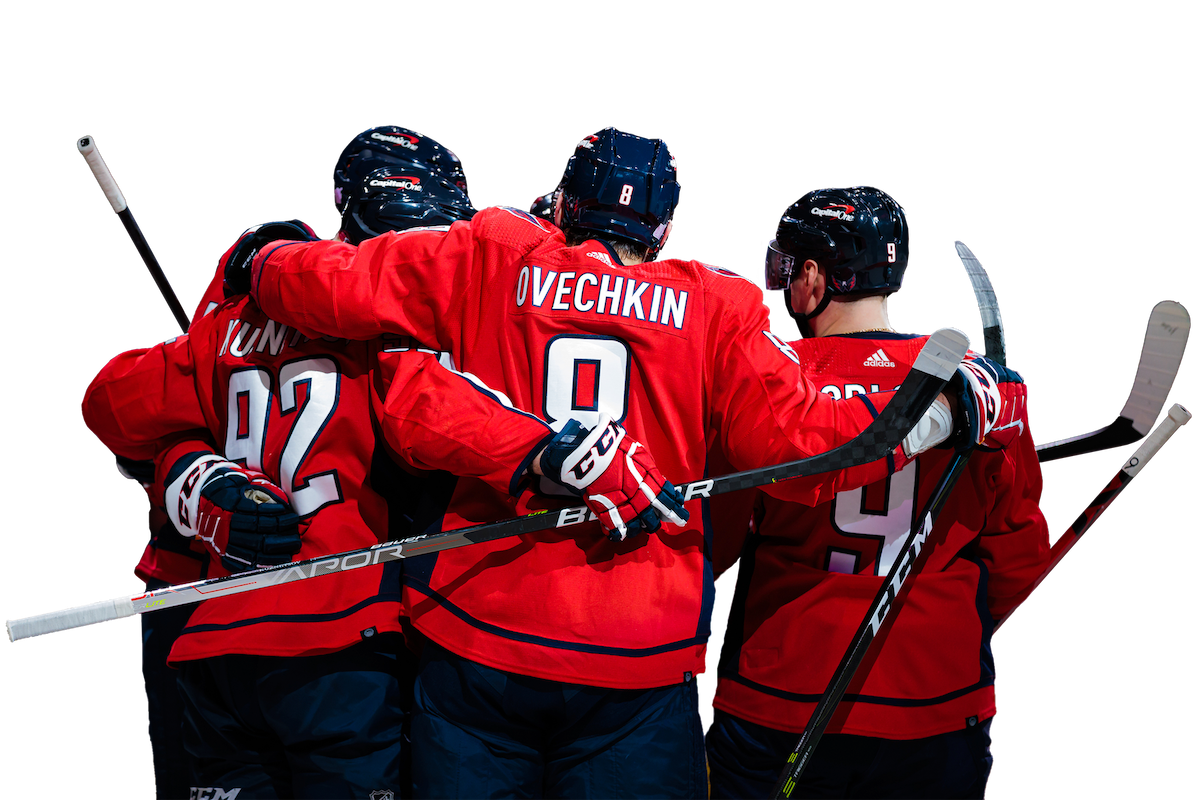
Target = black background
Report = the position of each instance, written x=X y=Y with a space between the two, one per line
x=1062 y=190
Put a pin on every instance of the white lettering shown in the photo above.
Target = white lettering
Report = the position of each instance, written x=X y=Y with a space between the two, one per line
x=235 y=347
x=411 y=184
x=540 y=290
x=403 y=141
x=272 y=338
x=585 y=278
x=675 y=309
x=633 y=298
x=562 y=291
x=523 y=286
x=833 y=212
x=233 y=323
x=654 y=303
x=395 y=551
x=605 y=294
x=347 y=561
x=571 y=516
x=698 y=489
x=854 y=388
x=832 y=391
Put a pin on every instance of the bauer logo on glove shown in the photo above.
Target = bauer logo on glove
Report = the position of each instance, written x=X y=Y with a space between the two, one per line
x=616 y=477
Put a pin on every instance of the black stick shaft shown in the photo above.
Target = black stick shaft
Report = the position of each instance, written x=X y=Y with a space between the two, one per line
x=164 y=286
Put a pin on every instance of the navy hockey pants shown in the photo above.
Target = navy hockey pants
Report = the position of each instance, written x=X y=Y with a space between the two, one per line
x=172 y=778
x=479 y=732
x=307 y=727
x=745 y=760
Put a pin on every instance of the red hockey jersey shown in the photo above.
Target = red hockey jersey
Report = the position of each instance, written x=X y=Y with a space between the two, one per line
x=678 y=352
x=299 y=410
x=808 y=575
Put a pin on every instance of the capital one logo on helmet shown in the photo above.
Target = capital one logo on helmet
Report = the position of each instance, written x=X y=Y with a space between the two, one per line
x=842 y=212
x=407 y=142
x=402 y=182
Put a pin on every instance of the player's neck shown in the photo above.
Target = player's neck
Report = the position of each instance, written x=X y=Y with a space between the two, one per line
x=853 y=316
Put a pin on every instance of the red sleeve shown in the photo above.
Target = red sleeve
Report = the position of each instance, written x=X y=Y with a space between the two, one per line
x=1015 y=542
x=767 y=412
x=143 y=400
x=436 y=418
x=408 y=282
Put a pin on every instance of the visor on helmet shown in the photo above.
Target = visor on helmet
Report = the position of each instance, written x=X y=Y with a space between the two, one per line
x=779 y=268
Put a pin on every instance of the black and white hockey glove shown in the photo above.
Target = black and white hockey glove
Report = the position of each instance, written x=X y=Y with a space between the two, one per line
x=615 y=476
x=241 y=255
x=242 y=518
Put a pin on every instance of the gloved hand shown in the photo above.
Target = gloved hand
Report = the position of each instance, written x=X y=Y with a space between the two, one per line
x=241 y=255
x=242 y=518
x=976 y=385
x=615 y=476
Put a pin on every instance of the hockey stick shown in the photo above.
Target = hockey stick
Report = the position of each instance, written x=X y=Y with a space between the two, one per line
x=1176 y=417
x=889 y=596
x=1166 y=337
x=995 y=344
x=887 y=600
x=87 y=147
x=935 y=365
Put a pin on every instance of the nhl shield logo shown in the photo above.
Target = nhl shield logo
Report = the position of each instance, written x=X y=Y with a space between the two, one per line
x=383 y=794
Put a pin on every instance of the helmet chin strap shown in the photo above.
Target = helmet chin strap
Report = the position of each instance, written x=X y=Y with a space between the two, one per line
x=802 y=319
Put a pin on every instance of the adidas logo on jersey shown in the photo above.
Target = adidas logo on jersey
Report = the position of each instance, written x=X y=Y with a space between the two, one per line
x=599 y=257
x=878 y=359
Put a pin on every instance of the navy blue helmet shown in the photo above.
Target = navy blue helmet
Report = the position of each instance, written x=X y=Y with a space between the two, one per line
x=858 y=235
x=388 y=145
x=399 y=197
x=622 y=187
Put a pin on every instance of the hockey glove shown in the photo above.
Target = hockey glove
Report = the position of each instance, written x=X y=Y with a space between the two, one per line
x=241 y=255
x=976 y=386
x=242 y=518
x=615 y=476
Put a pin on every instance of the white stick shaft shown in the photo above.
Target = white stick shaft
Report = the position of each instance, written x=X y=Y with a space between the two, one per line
x=1176 y=417
x=87 y=146
x=187 y=593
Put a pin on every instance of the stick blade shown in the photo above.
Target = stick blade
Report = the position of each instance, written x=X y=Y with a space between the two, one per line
x=1166 y=338
x=989 y=308
x=1162 y=351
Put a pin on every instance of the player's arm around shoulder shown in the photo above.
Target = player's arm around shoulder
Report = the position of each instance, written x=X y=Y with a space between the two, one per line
x=766 y=411
x=406 y=282
x=435 y=417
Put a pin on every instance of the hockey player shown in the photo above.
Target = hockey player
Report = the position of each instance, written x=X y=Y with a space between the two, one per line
x=294 y=690
x=168 y=559
x=563 y=665
x=915 y=723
